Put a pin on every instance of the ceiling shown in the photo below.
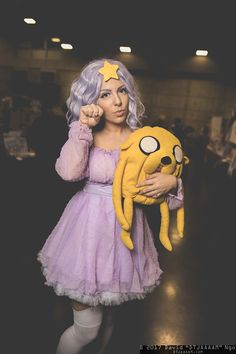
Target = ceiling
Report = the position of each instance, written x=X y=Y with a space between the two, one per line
x=154 y=29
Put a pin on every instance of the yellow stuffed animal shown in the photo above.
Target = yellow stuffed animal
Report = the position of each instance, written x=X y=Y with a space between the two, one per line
x=147 y=150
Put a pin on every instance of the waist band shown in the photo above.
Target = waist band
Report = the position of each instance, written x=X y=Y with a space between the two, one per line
x=100 y=189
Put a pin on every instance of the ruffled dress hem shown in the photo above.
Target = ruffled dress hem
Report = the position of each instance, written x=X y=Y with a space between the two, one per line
x=107 y=298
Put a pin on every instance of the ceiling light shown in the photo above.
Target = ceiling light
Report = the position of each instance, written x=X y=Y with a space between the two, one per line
x=125 y=49
x=202 y=53
x=66 y=46
x=55 y=40
x=29 y=21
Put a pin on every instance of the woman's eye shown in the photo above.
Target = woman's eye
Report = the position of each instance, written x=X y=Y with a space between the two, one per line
x=178 y=154
x=104 y=95
x=149 y=144
x=124 y=90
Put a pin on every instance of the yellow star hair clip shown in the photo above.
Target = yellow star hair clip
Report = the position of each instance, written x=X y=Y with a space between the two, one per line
x=109 y=71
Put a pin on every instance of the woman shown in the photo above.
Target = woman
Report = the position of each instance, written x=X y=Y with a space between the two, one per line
x=84 y=258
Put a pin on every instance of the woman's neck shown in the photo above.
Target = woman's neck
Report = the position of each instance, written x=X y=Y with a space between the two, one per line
x=115 y=129
x=111 y=136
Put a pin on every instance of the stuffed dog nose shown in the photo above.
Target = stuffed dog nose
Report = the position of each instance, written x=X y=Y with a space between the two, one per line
x=166 y=160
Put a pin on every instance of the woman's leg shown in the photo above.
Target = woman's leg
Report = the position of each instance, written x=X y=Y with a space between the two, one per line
x=87 y=321
x=106 y=329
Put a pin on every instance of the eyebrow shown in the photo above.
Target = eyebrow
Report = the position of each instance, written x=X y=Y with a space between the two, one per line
x=110 y=89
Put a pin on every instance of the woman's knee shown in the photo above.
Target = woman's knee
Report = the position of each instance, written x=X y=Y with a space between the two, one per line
x=87 y=322
x=78 y=306
x=85 y=329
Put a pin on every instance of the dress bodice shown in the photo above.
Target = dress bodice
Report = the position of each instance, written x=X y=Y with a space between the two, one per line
x=102 y=164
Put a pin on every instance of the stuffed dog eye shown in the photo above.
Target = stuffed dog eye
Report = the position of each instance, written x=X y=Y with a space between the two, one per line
x=149 y=144
x=178 y=153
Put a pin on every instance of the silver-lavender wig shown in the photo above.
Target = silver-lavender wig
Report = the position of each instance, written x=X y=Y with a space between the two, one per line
x=85 y=89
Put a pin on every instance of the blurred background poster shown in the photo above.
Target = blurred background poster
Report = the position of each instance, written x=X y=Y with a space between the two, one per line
x=216 y=128
x=16 y=145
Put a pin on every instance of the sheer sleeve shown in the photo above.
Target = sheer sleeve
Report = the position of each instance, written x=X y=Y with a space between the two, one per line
x=72 y=164
x=176 y=200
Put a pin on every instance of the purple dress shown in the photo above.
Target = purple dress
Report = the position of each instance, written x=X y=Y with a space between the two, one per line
x=84 y=257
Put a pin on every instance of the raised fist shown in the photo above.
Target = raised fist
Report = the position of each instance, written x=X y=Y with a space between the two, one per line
x=90 y=115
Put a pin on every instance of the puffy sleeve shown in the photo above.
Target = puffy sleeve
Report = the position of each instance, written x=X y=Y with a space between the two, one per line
x=176 y=200
x=72 y=164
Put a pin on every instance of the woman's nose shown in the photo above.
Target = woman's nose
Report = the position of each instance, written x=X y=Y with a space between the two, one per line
x=117 y=100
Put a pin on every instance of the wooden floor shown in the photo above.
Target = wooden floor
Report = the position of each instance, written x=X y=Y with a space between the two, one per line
x=195 y=303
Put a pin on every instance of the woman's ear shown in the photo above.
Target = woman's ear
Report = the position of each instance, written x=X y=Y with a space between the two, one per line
x=185 y=160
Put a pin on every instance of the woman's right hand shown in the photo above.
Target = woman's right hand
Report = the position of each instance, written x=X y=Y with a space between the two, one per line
x=90 y=115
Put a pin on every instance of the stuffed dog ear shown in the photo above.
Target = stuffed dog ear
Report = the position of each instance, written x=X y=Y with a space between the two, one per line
x=126 y=145
x=185 y=160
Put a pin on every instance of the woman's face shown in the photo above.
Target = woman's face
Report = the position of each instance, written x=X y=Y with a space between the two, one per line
x=114 y=100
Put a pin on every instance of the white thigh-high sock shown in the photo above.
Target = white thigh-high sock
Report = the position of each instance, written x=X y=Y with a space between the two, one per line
x=85 y=329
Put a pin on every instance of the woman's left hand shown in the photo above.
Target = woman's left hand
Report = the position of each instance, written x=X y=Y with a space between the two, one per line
x=157 y=184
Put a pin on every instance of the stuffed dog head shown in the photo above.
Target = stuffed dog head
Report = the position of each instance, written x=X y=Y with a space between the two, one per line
x=149 y=150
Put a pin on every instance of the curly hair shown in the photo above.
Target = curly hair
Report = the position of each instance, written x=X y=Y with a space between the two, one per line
x=86 y=87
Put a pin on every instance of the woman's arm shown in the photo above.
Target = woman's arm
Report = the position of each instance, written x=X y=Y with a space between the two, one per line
x=175 y=198
x=72 y=164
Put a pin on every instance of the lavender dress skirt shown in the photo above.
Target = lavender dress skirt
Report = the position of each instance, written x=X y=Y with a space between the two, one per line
x=84 y=257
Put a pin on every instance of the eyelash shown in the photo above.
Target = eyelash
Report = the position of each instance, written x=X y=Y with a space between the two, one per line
x=103 y=95
x=122 y=90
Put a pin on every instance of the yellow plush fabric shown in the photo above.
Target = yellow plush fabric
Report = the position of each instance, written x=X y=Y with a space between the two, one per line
x=147 y=150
